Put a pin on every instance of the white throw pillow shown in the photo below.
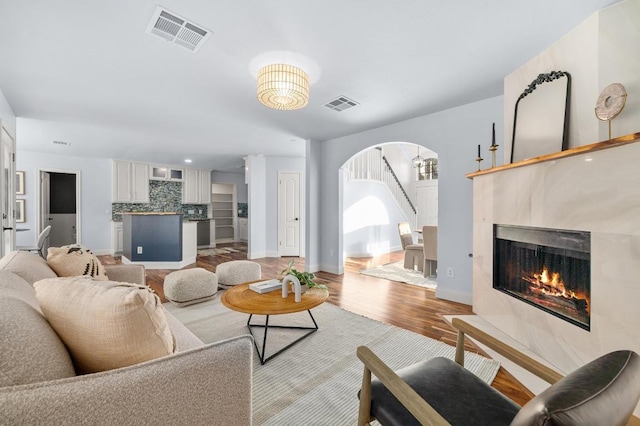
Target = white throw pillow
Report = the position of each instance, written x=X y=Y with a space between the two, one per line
x=105 y=324
x=75 y=260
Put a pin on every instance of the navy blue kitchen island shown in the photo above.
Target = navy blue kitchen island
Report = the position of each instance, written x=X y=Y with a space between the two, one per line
x=158 y=240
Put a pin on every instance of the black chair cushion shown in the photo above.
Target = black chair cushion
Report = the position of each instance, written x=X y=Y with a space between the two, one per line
x=602 y=392
x=458 y=395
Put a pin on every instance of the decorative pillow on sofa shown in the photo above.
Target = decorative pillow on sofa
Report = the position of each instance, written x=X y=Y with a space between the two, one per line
x=75 y=260
x=30 y=350
x=105 y=324
x=29 y=266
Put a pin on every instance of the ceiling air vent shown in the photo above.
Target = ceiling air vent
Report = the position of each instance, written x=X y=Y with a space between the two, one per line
x=177 y=30
x=341 y=103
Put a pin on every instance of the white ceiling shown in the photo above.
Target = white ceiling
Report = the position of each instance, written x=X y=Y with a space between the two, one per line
x=86 y=72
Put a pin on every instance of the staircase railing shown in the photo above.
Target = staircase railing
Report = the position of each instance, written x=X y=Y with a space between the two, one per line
x=372 y=165
x=402 y=194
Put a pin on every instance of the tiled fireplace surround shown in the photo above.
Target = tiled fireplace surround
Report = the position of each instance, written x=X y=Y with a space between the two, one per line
x=593 y=191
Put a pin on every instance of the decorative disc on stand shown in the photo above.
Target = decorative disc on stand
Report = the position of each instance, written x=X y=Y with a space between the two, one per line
x=610 y=102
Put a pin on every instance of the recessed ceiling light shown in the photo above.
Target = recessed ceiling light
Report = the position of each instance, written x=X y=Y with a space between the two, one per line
x=188 y=160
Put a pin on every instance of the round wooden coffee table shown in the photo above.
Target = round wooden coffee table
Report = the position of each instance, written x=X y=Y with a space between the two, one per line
x=242 y=299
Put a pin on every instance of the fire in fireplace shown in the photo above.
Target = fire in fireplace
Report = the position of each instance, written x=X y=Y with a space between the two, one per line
x=547 y=268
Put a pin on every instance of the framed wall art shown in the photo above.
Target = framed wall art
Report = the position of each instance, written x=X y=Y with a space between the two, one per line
x=20 y=212
x=19 y=183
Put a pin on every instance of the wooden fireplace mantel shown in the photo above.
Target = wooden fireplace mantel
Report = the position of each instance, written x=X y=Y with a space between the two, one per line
x=585 y=149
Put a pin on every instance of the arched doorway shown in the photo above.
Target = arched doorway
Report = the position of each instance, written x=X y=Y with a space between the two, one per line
x=382 y=186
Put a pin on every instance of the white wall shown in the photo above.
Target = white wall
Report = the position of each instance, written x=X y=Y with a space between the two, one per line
x=275 y=165
x=370 y=219
x=312 y=206
x=454 y=134
x=257 y=242
x=7 y=115
x=95 y=187
x=237 y=178
x=263 y=203
x=601 y=50
x=619 y=62
x=580 y=61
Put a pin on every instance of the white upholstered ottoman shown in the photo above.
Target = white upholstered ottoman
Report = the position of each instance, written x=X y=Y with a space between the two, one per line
x=237 y=272
x=190 y=286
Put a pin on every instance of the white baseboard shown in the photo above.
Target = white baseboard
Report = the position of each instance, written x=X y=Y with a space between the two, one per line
x=331 y=269
x=454 y=296
x=207 y=246
x=256 y=255
x=313 y=268
x=102 y=252
x=162 y=265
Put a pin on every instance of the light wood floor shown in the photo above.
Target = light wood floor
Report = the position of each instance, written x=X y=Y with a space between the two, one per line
x=410 y=307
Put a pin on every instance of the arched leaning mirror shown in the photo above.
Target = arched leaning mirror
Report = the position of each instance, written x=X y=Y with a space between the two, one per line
x=541 y=118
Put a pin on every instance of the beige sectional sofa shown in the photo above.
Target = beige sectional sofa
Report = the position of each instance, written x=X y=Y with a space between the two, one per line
x=199 y=384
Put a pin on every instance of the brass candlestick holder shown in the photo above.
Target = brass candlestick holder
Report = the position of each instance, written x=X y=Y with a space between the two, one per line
x=493 y=148
x=479 y=159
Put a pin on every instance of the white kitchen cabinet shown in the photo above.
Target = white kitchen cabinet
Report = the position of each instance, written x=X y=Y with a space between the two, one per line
x=139 y=183
x=117 y=235
x=205 y=186
x=191 y=187
x=130 y=182
x=197 y=187
x=121 y=186
x=243 y=229
x=166 y=173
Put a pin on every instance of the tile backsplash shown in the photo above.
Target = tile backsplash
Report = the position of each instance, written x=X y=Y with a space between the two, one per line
x=243 y=210
x=163 y=197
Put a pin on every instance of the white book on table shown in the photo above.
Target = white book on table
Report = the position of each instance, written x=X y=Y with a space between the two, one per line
x=266 y=286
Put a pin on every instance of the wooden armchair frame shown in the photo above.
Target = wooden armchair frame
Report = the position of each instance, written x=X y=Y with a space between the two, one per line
x=417 y=406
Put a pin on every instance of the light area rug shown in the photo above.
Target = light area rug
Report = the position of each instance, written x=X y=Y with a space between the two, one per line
x=316 y=381
x=215 y=251
x=396 y=272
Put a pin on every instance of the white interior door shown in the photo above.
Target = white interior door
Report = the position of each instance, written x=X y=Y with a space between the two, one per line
x=8 y=189
x=289 y=213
